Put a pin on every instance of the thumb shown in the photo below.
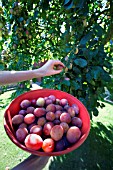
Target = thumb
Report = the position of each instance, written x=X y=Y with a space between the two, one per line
x=57 y=71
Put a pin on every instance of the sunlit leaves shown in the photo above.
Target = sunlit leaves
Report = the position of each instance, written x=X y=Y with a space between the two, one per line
x=54 y=29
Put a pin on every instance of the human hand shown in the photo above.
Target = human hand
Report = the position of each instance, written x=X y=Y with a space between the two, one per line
x=48 y=68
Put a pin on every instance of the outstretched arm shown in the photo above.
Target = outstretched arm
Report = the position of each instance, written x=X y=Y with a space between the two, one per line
x=9 y=77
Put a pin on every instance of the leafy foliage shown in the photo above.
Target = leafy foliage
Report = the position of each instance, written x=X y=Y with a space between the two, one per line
x=78 y=32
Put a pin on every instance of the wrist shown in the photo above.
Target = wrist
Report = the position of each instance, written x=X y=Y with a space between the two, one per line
x=38 y=73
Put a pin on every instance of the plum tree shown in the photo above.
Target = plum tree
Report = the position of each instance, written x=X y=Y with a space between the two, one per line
x=79 y=33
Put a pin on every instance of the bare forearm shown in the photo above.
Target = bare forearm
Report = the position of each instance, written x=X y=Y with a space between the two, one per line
x=9 y=77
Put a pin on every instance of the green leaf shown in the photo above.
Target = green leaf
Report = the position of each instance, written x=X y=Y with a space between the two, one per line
x=75 y=85
x=35 y=14
x=80 y=4
x=66 y=82
x=88 y=77
x=76 y=70
x=86 y=38
x=80 y=62
x=99 y=30
x=67 y=50
x=1 y=67
x=84 y=101
x=96 y=73
x=21 y=19
x=106 y=76
x=69 y=6
x=66 y=2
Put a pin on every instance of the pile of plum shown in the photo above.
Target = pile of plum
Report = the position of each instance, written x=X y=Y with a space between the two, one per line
x=47 y=124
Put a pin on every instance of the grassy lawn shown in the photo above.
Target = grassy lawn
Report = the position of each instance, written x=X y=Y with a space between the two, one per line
x=94 y=154
x=10 y=154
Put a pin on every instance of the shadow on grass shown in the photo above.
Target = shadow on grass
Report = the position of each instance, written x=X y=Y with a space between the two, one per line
x=96 y=153
x=3 y=104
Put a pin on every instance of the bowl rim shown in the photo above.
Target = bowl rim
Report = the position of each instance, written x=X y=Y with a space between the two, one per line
x=39 y=153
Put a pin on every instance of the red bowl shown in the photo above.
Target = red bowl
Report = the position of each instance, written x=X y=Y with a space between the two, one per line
x=14 y=107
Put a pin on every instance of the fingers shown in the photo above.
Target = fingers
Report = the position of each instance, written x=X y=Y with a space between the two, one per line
x=52 y=67
x=57 y=71
x=58 y=62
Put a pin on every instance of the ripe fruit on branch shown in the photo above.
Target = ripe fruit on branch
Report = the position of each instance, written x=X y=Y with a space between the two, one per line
x=58 y=67
x=27 y=32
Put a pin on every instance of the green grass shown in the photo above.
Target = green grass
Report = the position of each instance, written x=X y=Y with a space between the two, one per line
x=94 y=154
x=10 y=155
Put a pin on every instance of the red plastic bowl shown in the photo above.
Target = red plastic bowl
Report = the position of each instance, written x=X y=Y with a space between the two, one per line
x=14 y=107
